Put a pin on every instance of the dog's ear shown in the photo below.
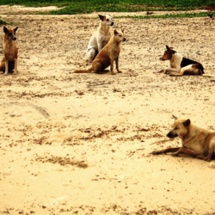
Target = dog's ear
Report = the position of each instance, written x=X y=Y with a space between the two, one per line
x=187 y=122
x=174 y=117
x=5 y=29
x=115 y=32
x=15 y=29
x=102 y=17
x=169 y=48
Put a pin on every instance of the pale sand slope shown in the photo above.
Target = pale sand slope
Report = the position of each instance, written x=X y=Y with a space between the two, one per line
x=80 y=143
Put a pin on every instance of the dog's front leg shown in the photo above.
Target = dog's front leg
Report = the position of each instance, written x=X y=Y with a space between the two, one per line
x=164 y=151
x=161 y=71
x=117 y=65
x=6 y=67
x=15 y=66
x=111 y=66
x=186 y=151
x=172 y=72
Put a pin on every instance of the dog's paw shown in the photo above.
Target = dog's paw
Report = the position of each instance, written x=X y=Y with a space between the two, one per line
x=161 y=71
x=119 y=71
x=167 y=72
x=175 y=154
x=155 y=153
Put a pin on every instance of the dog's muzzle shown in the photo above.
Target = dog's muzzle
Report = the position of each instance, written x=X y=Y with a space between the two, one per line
x=171 y=135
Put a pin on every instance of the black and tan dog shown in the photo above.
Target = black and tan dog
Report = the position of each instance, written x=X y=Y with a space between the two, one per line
x=197 y=142
x=180 y=65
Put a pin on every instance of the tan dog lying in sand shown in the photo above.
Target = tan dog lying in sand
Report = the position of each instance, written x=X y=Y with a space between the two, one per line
x=107 y=55
x=197 y=142
x=10 y=51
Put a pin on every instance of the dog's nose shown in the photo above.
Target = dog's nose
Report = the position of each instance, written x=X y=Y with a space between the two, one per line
x=124 y=39
x=171 y=135
x=14 y=38
x=112 y=23
x=161 y=58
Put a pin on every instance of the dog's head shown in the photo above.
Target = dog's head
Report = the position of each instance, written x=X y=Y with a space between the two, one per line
x=168 y=53
x=10 y=34
x=107 y=20
x=180 y=128
x=119 y=36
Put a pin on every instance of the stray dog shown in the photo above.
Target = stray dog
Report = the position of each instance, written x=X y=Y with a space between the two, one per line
x=180 y=65
x=100 y=38
x=10 y=51
x=107 y=55
x=197 y=142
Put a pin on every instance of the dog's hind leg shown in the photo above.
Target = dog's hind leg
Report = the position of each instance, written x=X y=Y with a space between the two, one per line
x=172 y=72
x=192 y=69
x=15 y=66
x=91 y=54
x=98 y=68
x=183 y=150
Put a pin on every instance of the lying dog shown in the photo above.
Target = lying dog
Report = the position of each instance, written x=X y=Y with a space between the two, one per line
x=107 y=55
x=197 y=142
x=10 y=51
x=180 y=65
x=100 y=38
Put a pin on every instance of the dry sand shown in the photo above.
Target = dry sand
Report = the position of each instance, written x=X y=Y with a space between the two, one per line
x=80 y=143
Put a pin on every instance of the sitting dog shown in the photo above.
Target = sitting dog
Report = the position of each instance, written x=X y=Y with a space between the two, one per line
x=107 y=55
x=180 y=65
x=197 y=142
x=10 y=51
x=100 y=38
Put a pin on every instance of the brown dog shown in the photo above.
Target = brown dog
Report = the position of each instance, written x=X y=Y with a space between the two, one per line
x=107 y=55
x=10 y=51
x=197 y=142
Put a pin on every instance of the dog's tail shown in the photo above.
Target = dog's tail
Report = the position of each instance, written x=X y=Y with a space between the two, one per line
x=84 y=70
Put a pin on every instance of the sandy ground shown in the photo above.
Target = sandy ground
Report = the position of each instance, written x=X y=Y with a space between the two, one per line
x=80 y=143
